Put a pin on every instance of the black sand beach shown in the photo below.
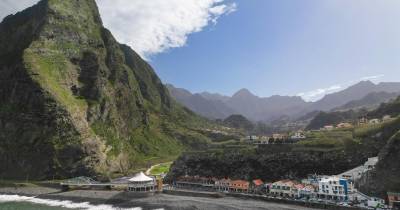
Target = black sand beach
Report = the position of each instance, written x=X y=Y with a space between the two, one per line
x=156 y=201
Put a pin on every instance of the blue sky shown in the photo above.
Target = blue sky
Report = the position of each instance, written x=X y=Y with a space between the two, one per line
x=289 y=47
x=286 y=47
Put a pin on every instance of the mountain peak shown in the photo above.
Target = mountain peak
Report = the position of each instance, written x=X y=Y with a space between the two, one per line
x=364 y=83
x=243 y=93
x=82 y=95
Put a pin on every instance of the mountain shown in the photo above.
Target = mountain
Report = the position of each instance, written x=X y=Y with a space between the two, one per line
x=265 y=109
x=76 y=102
x=364 y=94
x=372 y=100
x=214 y=96
x=239 y=122
x=212 y=109
x=391 y=108
x=355 y=92
x=387 y=138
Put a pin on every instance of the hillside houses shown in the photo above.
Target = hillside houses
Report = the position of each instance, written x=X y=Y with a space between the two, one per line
x=333 y=189
x=363 y=121
x=328 y=128
x=298 y=136
x=277 y=138
x=344 y=125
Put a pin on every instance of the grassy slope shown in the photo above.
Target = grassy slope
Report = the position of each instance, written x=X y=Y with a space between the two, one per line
x=139 y=125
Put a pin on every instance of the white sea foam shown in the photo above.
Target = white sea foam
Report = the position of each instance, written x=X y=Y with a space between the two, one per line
x=58 y=203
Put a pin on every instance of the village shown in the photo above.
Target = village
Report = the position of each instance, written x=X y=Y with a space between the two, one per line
x=336 y=190
x=299 y=135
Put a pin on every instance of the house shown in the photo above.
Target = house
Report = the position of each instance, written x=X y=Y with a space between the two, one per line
x=251 y=138
x=262 y=141
x=312 y=179
x=222 y=184
x=282 y=188
x=333 y=188
x=296 y=189
x=279 y=136
x=328 y=127
x=298 y=136
x=344 y=125
x=362 y=121
x=308 y=192
x=394 y=199
x=239 y=186
x=304 y=191
x=374 y=121
x=257 y=185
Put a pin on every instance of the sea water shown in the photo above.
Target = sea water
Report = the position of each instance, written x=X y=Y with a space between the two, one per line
x=27 y=206
x=16 y=202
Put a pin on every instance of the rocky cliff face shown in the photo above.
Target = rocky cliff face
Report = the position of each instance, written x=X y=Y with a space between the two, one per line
x=76 y=102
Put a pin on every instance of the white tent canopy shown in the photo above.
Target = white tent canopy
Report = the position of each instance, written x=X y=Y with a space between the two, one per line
x=141 y=177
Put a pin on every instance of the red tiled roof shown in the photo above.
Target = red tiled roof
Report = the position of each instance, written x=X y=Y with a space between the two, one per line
x=240 y=182
x=258 y=182
x=299 y=186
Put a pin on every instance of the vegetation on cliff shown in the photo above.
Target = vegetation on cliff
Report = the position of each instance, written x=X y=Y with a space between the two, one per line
x=76 y=102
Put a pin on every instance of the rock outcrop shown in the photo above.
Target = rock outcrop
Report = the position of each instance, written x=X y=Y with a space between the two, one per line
x=73 y=101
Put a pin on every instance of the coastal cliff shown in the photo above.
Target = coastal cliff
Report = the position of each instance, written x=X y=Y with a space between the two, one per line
x=76 y=102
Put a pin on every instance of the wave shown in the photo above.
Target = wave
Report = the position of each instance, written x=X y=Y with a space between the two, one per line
x=59 y=203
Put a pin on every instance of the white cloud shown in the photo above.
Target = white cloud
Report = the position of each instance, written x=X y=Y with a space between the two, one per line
x=317 y=94
x=372 y=78
x=314 y=95
x=149 y=26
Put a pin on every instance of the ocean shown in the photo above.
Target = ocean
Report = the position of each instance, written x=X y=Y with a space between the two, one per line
x=27 y=206
x=156 y=202
x=16 y=202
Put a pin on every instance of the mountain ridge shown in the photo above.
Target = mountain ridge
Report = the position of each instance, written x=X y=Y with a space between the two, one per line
x=274 y=107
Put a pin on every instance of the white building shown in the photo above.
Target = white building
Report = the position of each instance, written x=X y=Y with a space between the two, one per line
x=308 y=191
x=141 y=183
x=298 y=136
x=333 y=188
x=251 y=138
x=282 y=188
x=328 y=128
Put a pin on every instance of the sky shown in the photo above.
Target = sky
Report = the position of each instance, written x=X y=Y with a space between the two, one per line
x=288 y=47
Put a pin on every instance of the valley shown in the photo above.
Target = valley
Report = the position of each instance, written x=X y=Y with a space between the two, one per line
x=85 y=120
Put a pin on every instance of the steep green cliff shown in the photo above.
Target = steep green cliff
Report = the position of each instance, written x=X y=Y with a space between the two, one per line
x=73 y=101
